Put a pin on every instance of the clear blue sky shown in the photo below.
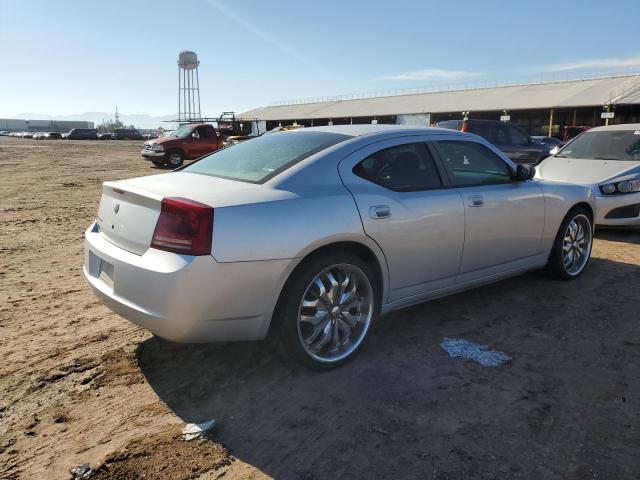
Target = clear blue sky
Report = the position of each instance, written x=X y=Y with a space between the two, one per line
x=65 y=57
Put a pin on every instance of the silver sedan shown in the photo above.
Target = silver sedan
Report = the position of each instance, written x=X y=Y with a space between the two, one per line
x=608 y=159
x=310 y=235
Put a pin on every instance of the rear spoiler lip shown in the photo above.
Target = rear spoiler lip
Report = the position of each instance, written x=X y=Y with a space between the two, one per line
x=138 y=195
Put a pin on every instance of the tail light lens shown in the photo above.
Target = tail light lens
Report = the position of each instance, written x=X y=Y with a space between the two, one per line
x=184 y=226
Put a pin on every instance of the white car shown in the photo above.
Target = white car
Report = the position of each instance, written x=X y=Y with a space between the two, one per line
x=310 y=234
x=608 y=159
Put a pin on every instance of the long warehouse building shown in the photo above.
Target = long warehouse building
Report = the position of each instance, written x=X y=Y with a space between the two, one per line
x=542 y=108
x=21 y=125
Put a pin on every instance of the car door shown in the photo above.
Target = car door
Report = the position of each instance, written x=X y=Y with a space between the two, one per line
x=397 y=187
x=504 y=218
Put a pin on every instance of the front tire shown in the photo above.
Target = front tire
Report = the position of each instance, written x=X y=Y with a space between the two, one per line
x=326 y=309
x=174 y=158
x=159 y=163
x=572 y=247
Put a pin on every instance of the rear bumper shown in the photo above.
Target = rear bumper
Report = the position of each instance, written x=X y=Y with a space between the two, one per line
x=184 y=298
x=605 y=207
x=151 y=155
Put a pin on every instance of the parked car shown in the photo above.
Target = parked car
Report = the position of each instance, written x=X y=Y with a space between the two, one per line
x=126 y=134
x=549 y=142
x=82 y=134
x=52 y=136
x=4 y=133
x=188 y=142
x=608 y=159
x=311 y=234
x=572 y=131
x=511 y=139
x=38 y=135
x=105 y=136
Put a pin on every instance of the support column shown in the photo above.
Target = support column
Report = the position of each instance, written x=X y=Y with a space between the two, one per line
x=550 y=121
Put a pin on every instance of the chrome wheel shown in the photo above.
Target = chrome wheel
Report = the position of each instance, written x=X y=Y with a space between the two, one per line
x=335 y=313
x=175 y=159
x=576 y=244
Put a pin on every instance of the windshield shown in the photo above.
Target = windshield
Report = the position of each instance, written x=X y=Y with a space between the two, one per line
x=604 y=145
x=183 y=132
x=259 y=159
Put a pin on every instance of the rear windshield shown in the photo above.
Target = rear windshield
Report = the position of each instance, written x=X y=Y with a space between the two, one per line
x=604 y=145
x=259 y=159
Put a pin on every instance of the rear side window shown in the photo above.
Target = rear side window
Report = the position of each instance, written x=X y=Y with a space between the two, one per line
x=259 y=159
x=404 y=168
x=470 y=163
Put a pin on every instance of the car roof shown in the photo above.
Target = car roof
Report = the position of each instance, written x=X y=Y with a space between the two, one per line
x=367 y=129
x=619 y=126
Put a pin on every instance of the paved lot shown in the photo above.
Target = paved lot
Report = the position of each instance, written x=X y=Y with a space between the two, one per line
x=79 y=384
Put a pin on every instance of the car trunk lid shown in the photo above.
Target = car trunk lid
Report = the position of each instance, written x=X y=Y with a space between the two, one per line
x=129 y=209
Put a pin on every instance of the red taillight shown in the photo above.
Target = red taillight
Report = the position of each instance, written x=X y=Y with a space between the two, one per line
x=184 y=226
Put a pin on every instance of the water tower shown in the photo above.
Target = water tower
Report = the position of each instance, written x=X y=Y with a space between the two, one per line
x=188 y=87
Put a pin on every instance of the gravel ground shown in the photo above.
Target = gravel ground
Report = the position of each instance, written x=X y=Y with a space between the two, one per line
x=79 y=384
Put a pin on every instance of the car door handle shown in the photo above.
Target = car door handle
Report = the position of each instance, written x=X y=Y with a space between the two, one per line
x=379 y=211
x=476 y=201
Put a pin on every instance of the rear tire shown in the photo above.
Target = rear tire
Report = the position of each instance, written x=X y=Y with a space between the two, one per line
x=174 y=158
x=572 y=247
x=326 y=309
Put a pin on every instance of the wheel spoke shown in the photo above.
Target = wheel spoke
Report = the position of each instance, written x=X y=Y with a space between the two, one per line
x=310 y=303
x=346 y=331
x=568 y=259
x=322 y=295
x=317 y=330
x=349 y=319
x=335 y=337
x=334 y=291
x=315 y=318
x=327 y=331
x=349 y=296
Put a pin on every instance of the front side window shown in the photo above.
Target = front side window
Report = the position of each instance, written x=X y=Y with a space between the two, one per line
x=470 y=163
x=404 y=168
x=262 y=158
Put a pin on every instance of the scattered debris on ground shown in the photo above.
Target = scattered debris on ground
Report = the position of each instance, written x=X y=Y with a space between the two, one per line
x=193 y=431
x=457 y=347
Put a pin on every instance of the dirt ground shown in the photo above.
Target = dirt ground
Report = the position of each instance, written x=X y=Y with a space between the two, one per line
x=78 y=384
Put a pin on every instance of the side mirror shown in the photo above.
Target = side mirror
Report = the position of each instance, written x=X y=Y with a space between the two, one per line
x=525 y=172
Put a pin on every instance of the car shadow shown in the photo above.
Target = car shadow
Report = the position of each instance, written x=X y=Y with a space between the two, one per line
x=619 y=235
x=405 y=409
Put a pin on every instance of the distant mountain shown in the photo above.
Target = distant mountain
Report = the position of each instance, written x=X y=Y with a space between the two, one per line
x=138 y=120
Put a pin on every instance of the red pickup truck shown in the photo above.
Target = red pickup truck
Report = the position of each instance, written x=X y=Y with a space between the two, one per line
x=187 y=143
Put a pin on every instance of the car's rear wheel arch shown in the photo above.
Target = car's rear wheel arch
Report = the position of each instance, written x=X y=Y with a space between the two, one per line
x=355 y=248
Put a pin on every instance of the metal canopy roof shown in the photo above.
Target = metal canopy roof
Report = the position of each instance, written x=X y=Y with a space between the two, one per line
x=565 y=94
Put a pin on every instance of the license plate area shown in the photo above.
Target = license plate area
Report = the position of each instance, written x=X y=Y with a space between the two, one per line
x=101 y=269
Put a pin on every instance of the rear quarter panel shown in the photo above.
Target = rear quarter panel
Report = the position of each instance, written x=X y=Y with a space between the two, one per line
x=285 y=229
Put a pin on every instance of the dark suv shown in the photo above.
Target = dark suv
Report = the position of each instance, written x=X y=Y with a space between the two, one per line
x=82 y=134
x=511 y=139
x=126 y=134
